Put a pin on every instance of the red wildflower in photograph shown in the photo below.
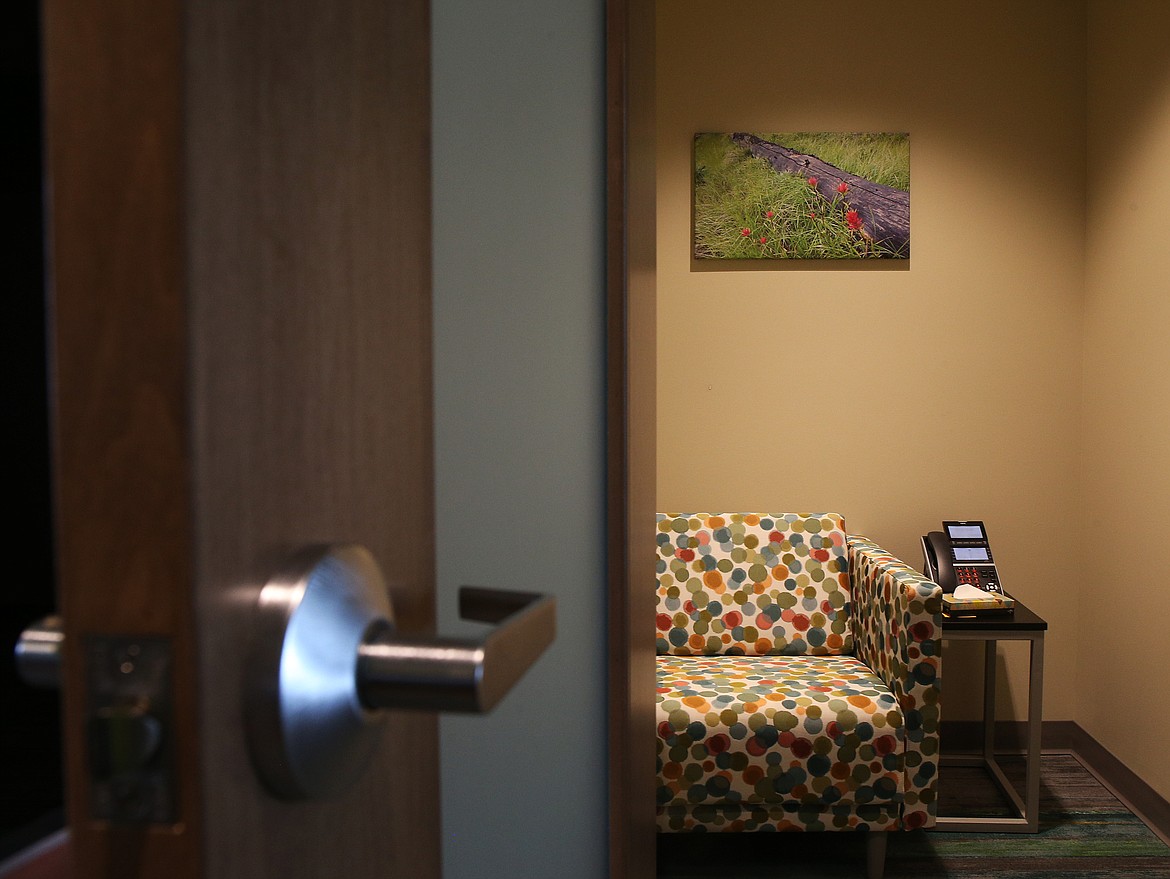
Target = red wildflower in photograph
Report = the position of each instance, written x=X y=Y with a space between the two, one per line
x=853 y=219
x=842 y=187
x=746 y=233
x=769 y=214
x=812 y=181
x=763 y=239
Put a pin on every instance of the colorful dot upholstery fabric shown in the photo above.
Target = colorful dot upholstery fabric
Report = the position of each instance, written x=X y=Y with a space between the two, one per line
x=897 y=621
x=745 y=583
x=766 y=727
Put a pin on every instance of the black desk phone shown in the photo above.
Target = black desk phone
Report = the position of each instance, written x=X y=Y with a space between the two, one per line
x=958 y=554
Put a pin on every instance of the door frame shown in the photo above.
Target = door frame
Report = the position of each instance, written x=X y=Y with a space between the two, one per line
x=630 y=288
x=630 y=430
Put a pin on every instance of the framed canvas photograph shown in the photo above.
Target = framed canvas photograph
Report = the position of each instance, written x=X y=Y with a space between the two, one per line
x=818 y=195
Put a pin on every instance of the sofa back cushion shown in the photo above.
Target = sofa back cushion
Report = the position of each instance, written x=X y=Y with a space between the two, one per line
x=752 y=584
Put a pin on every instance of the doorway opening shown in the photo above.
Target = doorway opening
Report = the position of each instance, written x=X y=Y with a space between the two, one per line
x=30 y=737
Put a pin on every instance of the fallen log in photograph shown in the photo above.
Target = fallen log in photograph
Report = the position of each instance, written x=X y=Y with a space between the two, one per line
x=877 y=212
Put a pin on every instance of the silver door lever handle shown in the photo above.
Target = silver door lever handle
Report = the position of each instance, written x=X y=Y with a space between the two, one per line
x=38 y=653
x=453 y=674
x=327 y=655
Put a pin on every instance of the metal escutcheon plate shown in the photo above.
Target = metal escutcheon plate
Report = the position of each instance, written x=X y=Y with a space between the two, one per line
x=308 y=733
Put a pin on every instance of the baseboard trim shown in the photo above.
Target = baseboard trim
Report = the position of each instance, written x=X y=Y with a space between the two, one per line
x=1067 y=736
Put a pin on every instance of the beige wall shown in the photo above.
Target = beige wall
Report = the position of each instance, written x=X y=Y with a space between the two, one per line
x=1126 y=704
x=1037 y=296
x=897 y=394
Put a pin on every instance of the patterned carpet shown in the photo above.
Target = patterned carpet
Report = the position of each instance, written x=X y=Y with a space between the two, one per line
x=1085 y=833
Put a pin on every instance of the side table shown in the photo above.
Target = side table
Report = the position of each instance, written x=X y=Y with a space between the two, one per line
x=1021 y=625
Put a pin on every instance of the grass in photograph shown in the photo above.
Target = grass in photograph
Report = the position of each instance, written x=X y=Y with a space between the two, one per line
x=746 y=210
x=879 y=158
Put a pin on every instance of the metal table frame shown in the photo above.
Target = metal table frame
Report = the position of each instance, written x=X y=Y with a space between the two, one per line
x=1022 y=625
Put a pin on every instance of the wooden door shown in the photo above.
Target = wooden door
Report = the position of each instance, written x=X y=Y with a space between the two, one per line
x=239 y=234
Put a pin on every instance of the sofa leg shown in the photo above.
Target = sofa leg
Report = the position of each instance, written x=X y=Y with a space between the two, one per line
x=875 y=853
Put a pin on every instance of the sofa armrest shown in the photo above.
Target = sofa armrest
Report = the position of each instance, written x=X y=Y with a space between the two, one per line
x=897 y=632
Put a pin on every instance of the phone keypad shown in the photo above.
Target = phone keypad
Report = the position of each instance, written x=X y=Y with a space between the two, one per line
x=979 y=576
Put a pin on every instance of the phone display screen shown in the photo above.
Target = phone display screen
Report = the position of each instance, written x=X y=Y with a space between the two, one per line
x=971 y=554
x=965 y=532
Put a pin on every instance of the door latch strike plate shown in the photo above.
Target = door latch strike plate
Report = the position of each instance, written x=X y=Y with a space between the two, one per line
x=130 y=730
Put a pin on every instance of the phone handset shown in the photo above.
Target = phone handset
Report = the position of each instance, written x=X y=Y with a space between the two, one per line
x=936 y=551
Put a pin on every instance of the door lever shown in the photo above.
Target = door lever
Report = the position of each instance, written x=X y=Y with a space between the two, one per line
x=327 y=656
x=38 y=653
x=457 y=674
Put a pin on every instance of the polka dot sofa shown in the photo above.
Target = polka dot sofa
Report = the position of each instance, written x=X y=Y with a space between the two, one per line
x=798 y=679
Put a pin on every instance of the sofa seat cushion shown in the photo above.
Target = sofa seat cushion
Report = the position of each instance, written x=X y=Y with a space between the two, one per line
x=807 y=730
